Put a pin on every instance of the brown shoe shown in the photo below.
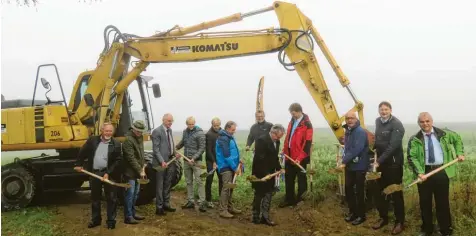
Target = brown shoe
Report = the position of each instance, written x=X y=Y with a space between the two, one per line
x=379 y=224
x=397 y=229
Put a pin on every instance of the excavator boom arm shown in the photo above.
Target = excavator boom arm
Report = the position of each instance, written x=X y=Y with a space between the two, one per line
x=294 y=39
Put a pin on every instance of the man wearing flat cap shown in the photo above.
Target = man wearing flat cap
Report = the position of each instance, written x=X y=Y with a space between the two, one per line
x=134 y=163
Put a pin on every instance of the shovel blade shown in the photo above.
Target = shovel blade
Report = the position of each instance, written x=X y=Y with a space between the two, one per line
x=373 y=175
x=392 y=189
x=230 y=185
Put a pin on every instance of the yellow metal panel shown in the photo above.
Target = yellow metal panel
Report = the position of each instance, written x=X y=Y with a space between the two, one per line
x=205 y=48
x=80 y=132
x=64 y=134
x=30 y=125
x=58 y=134
x=4 y=127
x=16 y=125
x=55 y=115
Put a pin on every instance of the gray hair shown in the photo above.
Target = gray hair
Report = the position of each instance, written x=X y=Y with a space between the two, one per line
x=424 y=114
x=277 y=128
x=215 y=120
x=229 y=124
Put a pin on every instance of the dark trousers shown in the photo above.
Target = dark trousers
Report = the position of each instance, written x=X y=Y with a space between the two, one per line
x=130 y=198
x=354 y=192
x=261 y=204
x=209 y=181
x=111 y=198
x=437 y=185
x=293 y=171
x=163 y=186
x=391 y=176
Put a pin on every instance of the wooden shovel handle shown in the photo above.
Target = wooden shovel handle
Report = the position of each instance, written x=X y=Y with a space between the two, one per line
x=294 y=162
x=101 y=178
x=271 y=175
x=172 y=160
x=434 y=172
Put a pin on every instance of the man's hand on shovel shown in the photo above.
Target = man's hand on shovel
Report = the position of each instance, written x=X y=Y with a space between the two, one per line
x=105 y=177
x=422 y=177
x=374 y=175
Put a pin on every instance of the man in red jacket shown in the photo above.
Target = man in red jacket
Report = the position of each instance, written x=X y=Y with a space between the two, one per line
x=297 y=145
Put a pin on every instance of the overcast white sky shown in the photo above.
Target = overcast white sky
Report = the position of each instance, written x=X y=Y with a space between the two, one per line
x=419 y=55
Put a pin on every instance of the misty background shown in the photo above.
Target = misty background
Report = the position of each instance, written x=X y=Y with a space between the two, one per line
x=418 y=55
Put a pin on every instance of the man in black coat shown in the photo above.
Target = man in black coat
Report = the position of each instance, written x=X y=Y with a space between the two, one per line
x=389 y=133
x=210 y=154
x=258 y=129
x=103 y=154
x=265 y=162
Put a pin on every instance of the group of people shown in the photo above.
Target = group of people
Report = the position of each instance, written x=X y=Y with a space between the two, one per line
x=428 y=149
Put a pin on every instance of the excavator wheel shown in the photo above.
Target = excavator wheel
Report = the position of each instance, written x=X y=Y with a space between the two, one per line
x=18 y=187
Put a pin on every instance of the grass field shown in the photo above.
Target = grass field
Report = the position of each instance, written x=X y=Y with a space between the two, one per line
x=38 y=221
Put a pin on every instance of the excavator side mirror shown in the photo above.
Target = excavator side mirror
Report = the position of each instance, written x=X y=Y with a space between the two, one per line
x=45 y=83
x=88 y=98
x=156 y=90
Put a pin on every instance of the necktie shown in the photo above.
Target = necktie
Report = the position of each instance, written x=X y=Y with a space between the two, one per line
x=431 y=151
x=169 y=141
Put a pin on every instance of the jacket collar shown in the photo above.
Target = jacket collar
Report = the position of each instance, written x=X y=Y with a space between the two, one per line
x=345 y=126
x=224 y=133
x=437 y=131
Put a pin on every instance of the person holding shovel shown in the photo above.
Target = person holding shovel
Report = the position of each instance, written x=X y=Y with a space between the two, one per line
x=265 y=162
x=297 y=145
x=104 y=155
x=163 y=149
x=389 y=134
x=210 y=154
x=429 y=149
x=228 y=162
x=134 y=163
x=356 y=162
x=258 y=129
x=193 y=142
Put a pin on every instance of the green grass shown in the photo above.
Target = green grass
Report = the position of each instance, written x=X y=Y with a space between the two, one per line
x=32 y=221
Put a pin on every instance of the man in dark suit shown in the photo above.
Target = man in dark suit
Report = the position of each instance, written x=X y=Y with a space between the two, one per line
x=265 y=162
x=103 y=154
x=163 y=150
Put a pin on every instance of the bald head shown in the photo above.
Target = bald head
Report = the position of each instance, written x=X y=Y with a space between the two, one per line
x=167 y=120
x=351 y=119
x=425 y=121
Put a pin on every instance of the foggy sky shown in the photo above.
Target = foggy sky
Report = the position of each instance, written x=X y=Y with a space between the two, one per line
x=419 y=55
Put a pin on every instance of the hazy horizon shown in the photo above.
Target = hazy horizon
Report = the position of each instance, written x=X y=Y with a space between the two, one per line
x=419 y=58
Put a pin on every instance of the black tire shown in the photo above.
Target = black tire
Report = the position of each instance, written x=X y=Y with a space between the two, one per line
x=18 y=187
x=178 y=173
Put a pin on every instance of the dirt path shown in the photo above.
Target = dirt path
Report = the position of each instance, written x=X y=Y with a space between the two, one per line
x=325 y=219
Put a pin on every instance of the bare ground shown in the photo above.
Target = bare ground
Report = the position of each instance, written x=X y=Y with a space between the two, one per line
x=73 y=213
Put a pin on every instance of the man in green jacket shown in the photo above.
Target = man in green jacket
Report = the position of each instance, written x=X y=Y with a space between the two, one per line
x=429 y=149
x=134 y=163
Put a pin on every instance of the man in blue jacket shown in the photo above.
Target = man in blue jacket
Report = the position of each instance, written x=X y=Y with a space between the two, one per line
x=356 y=162
x=228 y=159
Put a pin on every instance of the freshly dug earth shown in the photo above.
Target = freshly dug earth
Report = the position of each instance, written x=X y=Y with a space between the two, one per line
x=325 y=219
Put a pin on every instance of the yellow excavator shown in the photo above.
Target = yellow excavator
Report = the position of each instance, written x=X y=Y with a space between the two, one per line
x=102 y=94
